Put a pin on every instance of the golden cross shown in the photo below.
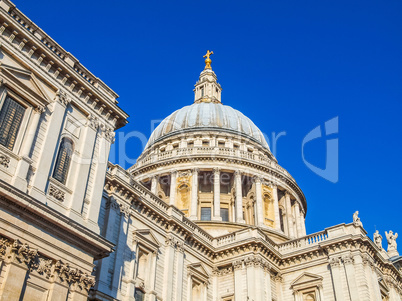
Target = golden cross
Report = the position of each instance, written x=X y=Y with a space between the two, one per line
x=208 y=60
x=208 y=54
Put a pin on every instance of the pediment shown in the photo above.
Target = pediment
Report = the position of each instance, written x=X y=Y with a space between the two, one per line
x=198 y=271
x=28 y=79
x=306 y=278
x=146 y=238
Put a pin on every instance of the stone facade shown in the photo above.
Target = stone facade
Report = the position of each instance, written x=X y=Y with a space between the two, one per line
x=49 y=232
x=206 y=213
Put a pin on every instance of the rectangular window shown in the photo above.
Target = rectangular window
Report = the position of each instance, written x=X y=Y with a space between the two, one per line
x=205 y=213
x=221 y=144
x=11 y=115
x=225 y=214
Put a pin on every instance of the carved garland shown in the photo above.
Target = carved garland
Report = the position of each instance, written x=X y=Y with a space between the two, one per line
x=22 y=253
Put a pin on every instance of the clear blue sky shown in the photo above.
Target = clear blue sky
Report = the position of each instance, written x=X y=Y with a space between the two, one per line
x=287 y=65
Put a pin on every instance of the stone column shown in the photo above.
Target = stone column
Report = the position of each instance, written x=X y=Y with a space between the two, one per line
x=14 y=280
x=279 y=287
x=276 y=207
x=238 y=280
x=289 y=215
x=179 y=271
x=239 y=198
x=217 y=195
x=173 y=176
x=259 y=208
x=194 y=195
x=298 y=221
x=259 y=277
x=168 y=268
x=336 y=278
x=154 y=184
x=20 y=177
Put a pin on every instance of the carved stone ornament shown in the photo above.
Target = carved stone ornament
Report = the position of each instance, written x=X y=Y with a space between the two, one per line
x=334 y=262
x=237 y=265
x=392 y=246
x=4 y=244
x=4 y=160
x=62 y=97
x=43 y=266
x=23 y=253
x=378 y=239
x=56 y=193
x=356 y=219
x=348 y=259
x=93 y=122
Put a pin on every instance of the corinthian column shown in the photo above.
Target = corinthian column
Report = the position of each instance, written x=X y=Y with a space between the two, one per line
x=173 y=187
x=154 y=184
x=239 y=198
x=299 y=229
x=289 y=215
x=194 y=195
x=259 y=209
x=276 y=207
x=217 y=195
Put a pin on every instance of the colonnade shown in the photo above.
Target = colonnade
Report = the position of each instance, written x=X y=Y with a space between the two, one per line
x=292 y=217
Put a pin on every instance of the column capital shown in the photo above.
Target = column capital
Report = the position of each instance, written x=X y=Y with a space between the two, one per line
x=173 y=172
x=238 y=172
x=257 y=179
x=216 y=170
x=195 y=170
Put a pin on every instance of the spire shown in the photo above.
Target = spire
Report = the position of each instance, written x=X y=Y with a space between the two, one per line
x=207 y=88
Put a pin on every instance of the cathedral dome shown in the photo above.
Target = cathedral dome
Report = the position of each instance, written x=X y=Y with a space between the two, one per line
x=208 y=116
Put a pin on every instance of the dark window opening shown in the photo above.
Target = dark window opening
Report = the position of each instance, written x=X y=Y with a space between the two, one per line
x=205 y=213
x=10 y=121
x=63 y=160
x=225 y=214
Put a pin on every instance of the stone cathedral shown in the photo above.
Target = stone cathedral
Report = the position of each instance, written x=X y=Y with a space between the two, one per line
x=205 y=214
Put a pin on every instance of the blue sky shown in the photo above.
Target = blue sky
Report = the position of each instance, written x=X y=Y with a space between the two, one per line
x=288 y=65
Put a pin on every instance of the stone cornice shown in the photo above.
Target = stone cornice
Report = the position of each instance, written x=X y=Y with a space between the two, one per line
x=63 y=68
x=60 y=225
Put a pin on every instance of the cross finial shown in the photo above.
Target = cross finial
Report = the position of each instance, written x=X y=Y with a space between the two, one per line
x=208 y=60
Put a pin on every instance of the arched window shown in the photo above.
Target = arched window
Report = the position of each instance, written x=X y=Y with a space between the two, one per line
x=10 y=120
x=63 y=160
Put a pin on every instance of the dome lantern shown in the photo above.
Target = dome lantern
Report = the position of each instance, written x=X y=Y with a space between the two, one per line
x=207 y=88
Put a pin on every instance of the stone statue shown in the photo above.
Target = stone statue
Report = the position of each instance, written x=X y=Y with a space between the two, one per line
x=378 y=239
x=356 y=219
x=391 y=239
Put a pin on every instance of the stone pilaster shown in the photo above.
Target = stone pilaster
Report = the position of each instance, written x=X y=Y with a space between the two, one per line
x=238 y=279
x=335 y=263
x=179 y=271
x=168 y=268
x=20 y=177
x=348 y=262
x=80 y=167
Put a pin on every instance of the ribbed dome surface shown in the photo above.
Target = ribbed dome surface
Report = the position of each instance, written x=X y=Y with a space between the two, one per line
x=208 y=116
